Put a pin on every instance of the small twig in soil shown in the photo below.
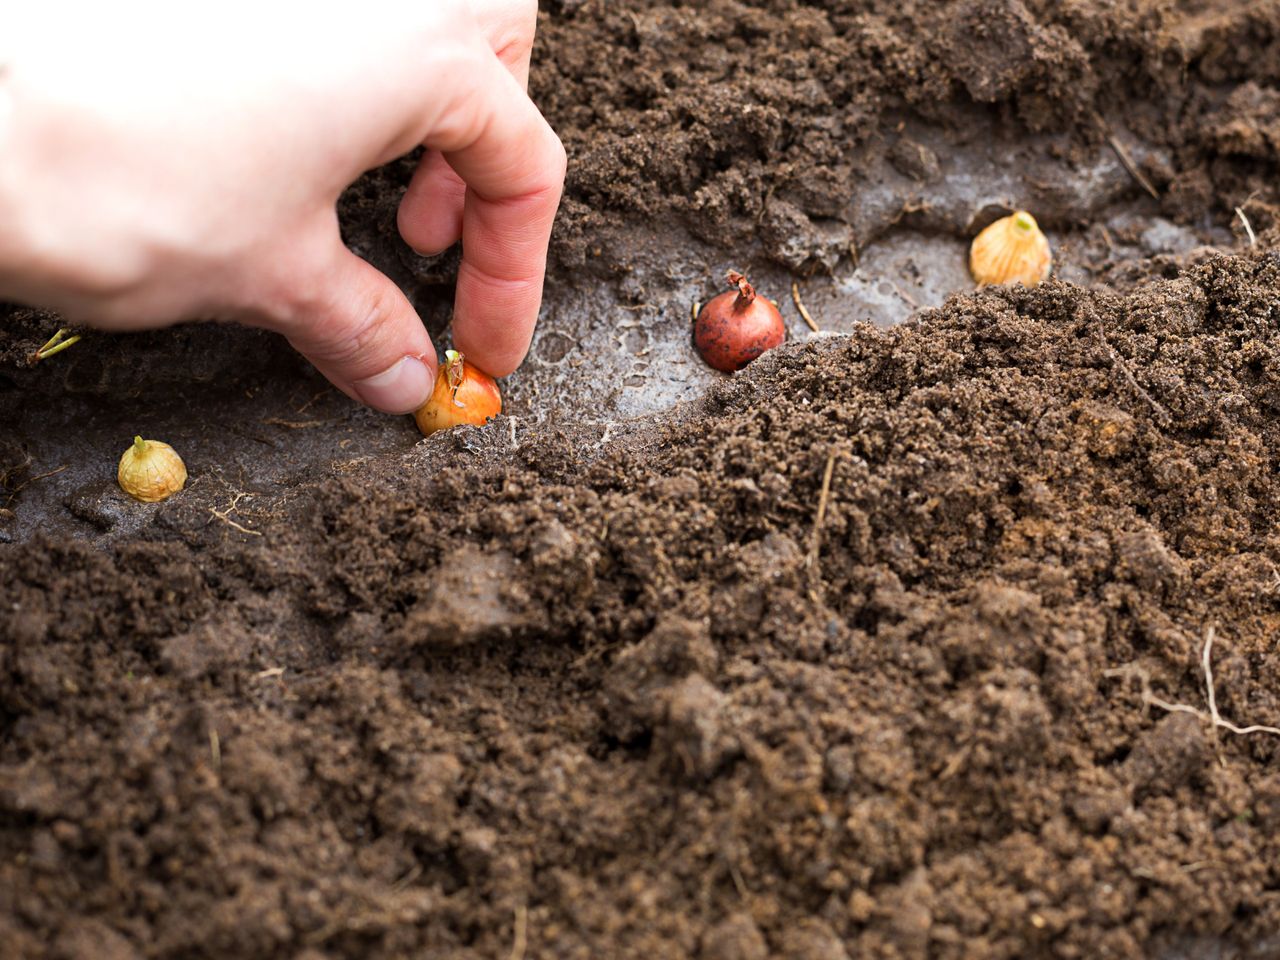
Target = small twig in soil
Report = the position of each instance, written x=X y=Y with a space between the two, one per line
x=1130 y=671
x=795 y=295
x=403 y=883
x=305 y=406
x=520 y=935
x=30 y=480
x=297 y=424
x=815 y=538
x=1127 y=162
x=738 y=882
x=1248 y=227
x=853 y=254
x=269 y=673
x=8 y=474
x=515 y=444
x=910 y=300
x=215 y=748
x=954 y=764
x=1118 y=363
x=1199 y=865
x=55 y=345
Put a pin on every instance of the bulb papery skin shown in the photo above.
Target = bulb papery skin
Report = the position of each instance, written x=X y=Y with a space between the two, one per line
x=463 y=394
x=1011 y=250
x=734 y=328
x=151 y=471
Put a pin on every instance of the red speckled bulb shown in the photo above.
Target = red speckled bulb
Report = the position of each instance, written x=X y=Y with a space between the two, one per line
x=736 y=327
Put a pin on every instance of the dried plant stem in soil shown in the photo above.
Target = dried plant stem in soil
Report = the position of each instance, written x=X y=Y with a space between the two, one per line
x=1121 y=366
x=804 y=312
x=1248 y=227
x=297 y=424
x=520 y=934
x=1131 y=671
x=318 y=395
x=13 y=494
x=906 y=298
x=1127 y=162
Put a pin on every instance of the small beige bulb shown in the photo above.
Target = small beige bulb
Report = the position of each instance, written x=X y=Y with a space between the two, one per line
x=1011 y=250
x=151 y=471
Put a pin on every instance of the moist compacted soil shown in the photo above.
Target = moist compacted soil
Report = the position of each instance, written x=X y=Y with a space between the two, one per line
x=888 y=646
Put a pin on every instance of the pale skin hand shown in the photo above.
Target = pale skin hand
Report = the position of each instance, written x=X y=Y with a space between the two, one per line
x=159 y=165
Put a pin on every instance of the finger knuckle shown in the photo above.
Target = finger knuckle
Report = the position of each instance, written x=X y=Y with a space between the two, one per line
x=338 y=332
x=356 y=333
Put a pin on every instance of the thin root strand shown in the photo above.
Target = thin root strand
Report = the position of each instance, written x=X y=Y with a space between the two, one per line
x=1215 y=719
x=1248 y=227
x=804 y=312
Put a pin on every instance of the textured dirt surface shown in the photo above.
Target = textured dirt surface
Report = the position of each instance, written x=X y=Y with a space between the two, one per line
x=613 y=676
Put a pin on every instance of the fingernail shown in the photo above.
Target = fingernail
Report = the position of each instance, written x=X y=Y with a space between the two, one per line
x=401 y=388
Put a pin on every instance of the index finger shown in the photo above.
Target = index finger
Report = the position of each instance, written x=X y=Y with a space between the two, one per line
x=514 y=166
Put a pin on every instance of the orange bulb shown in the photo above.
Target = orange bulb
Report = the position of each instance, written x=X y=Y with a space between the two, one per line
x=463 y=394
x=1011 y=250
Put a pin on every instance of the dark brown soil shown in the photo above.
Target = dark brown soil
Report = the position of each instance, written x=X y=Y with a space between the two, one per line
x=532 y=693
x=760 y=120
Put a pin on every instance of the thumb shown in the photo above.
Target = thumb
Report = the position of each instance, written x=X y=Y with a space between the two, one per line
x=361 y=332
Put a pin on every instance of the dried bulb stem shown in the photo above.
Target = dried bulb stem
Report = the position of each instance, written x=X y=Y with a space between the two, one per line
x=746 y=292
x=454 y=373
x=139 y=445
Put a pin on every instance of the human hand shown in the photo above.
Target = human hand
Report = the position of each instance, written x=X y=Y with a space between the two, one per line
x=157 y=165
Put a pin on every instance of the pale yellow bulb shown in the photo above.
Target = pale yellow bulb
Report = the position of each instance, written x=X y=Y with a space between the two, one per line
x=151 y=471
x=1011 y=250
